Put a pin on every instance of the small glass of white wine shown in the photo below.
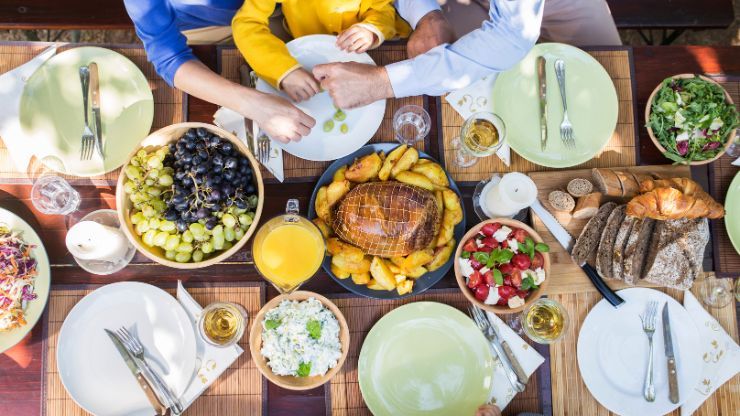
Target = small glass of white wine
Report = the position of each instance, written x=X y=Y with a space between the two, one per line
x=545 y=321
x=481 y=135
x=222 y=323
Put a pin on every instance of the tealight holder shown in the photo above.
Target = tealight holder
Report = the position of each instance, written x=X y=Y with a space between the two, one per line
x=118 y=252
x=481 y=189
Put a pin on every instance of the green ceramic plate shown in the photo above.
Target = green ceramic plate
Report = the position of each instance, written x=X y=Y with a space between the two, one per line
x=43 y=279
x=732 y=214
x=592 y=106
x=52 y=118
x=425 y=358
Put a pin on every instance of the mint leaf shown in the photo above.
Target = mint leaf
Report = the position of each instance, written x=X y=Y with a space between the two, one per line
x=542 y=247
x=465 y=254
x=314 y=328
x=481 y=257
x=498 y=277
x=528 y=283
x=304 y=369
x=272 y=324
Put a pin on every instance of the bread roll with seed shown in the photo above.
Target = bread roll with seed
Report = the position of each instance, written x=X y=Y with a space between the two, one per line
x=579 y=187
x=561 y=201
x=607 y=182
x=629 y=184
x=587 y=206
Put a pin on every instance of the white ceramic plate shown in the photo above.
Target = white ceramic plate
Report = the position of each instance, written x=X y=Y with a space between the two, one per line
x=34 y=308
x=613 y=353
x=362 y=122
x=92 y=370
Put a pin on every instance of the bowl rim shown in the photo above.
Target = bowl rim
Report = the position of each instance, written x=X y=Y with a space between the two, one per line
x=255 y=342
x=122 y=203
x=648 y=110
x=495 y=308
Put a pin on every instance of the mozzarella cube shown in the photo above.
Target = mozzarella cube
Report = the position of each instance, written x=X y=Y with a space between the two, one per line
x=502 y=234
x=515 y=301
x=493 y=297
x=540 y=276
x=513 y=245
x=465 y=267
x=484 y=270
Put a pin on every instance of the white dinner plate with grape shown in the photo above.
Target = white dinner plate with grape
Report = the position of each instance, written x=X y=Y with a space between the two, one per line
x=336 y=134
x=91 y=368
x=613 y=353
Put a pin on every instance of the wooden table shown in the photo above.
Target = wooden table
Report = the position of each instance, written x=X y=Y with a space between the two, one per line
x=20 y=388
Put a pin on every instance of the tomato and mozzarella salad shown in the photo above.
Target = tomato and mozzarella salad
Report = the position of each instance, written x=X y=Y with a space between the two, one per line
x=502 y=265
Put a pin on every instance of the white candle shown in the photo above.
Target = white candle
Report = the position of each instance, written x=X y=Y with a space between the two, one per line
x=512 y=194
x=89 y=240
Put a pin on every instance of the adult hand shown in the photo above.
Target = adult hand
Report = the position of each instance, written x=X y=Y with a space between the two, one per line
x=300 y=85
x=280 y=119
x=488 y=410
x=356 y=39
x=432 y=30
x=352 y=84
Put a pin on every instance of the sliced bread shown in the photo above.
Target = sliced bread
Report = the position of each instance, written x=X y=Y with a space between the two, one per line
x=561 y=201
x=587 y=206
x=628 y=183
x=677 y=251
x=620 y=242
x=588 y=241
x=605 y=252
x=579 y=187
x=607 y=182
x=636 y=250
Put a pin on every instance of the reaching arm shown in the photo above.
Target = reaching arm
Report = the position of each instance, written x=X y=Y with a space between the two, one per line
x=503 y=40
x=413 y=10
x=379 y=17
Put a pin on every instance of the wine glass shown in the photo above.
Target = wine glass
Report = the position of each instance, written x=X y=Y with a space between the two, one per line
x=222 y=323
x=715 y=293
x=411 y=124
x=481 y=135
x=544 y=321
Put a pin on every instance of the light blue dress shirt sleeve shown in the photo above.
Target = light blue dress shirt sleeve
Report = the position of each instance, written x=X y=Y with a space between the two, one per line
x=511 y=30
x=413 y=10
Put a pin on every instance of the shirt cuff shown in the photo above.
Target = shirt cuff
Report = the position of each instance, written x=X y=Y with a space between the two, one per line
x=401 y=76
x=412 y=13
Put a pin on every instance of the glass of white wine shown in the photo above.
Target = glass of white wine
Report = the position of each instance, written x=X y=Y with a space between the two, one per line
x=481 y=135
x=545 y=321
x=222 y=323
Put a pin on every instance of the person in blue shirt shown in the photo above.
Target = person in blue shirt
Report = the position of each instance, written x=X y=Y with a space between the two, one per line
x=165 y=27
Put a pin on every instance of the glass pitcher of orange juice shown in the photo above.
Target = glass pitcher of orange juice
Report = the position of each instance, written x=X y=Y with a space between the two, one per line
x=288 y=249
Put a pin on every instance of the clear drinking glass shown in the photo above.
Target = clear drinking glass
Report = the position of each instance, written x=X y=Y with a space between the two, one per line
x=411 y=124
x=222 y=323
x=481 y=135
x=734 y=149
x=54 y=196
x=715 y=293
x=544 y=321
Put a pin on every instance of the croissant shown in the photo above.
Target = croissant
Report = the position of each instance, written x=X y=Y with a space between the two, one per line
x=668 y=203
x=685 y=185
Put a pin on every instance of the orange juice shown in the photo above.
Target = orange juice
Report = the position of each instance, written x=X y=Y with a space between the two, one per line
x=288 y=254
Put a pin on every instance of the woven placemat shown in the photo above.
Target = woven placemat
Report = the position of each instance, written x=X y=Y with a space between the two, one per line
x=621 y=150
x=726 y=258
x=240 y=390
x=344 y=397
x=570 y=395
x=169 y=103
x=230 y=60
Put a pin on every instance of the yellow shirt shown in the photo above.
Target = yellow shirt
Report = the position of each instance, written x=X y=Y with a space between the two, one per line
x=269 y=57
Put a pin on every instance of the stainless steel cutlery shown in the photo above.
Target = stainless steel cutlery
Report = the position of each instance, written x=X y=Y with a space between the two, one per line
x=87 y=144
x=95 y=101
x=566 y=128
x=670 y=357
x=542 y=78
x=481 y=320
x=263 y=149
x=648 y=325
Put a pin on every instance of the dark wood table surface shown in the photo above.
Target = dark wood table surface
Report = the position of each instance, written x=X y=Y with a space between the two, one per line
x=20 y=386
x=111 y=14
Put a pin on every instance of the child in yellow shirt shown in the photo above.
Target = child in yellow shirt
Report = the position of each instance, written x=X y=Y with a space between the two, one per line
x=359 y=24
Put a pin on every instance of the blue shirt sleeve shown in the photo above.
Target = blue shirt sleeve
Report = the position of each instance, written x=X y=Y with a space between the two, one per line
x=166 y=47
x=512 y=28
x=413 y=10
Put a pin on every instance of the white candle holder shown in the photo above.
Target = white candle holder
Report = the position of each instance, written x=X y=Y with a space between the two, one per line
x=107 y=217
x=481 y=189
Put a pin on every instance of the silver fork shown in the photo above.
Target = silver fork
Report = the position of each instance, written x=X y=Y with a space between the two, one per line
x=648 y=325
x=566 y=129
x=263 y=149
x=137 y=350
x=485 y=326
x=87 y=144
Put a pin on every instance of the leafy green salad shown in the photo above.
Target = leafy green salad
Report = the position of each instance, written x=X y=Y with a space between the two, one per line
x=691 y=119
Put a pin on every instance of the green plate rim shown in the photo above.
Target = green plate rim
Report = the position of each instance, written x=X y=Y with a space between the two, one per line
x=730 y=205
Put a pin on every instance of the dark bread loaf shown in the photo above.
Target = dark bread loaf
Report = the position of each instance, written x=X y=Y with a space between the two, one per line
x=636 y=249
x=676 y=253
x=620 y=243
x=588 y=241
x=605 y=253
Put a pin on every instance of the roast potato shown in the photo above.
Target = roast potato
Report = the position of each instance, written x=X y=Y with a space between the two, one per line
x=390 y=160
x=344 y=261
x=361 y=278
x=339 y=272
x=441 y=255
x=409 y=157
x=382 y=275
x=322 y=205
x=405 y=287
x=374 y=285
x=334 y=245
x=336 y=190
x=415 y=179
x=364 y=168
x=445 y=234
x=339 y=174
x=433 y=172
x=417 y=258
x=416 y=272
x=326 y=231
x=451 y=199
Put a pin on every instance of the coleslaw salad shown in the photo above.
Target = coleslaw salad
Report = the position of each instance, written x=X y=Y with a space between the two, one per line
x=17 y=274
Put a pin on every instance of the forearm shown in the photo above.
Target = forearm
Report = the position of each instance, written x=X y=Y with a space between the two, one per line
x=412 y=11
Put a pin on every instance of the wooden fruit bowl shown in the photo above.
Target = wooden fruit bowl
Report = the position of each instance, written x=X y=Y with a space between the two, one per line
x=290 y=382
x=533 y=296
x=163 y=137
x=648 y=110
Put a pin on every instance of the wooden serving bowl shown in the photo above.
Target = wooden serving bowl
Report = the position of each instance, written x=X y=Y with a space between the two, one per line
x=163 y=137
x=648 y=110
x=511 y=223
x=290 y=382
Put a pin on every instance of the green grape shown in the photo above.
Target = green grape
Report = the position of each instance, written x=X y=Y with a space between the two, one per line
x=148 y=211
x=161 y=238
x=167 y=226
x=187 y=236
x=344 y=128
x=172 y=242
x=149 y=182
x=141 y=153
x=218 y=241
x=154 y=173
x=228 y=220
x=129 y=187
x=142 y=227
x=228 y=245
x=154 y=191
x=135 y=161
x=197 y=256
x=328 y=125
x=229 y=234
x=137 y=218
x=207 y=247
x=132 y=172
x=162 y=152
x=252 y=202
x=170 y=254
x=165 y=180
x=153 y=162
x=240 y=211
x=340 y=115
x=197 y=229
x=184 y=248
x=148 y=237
x=154 y=223
x=159 y=205
x=168 y=170
x=239 y=233
x=182 y=257
x=245 y=220
x=217 y=230
x=203 y=237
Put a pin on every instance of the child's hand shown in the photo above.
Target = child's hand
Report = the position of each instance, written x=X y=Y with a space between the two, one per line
x=356 y=39
x=300 y=85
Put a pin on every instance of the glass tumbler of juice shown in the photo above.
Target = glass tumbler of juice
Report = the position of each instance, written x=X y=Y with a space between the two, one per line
x=288 y=249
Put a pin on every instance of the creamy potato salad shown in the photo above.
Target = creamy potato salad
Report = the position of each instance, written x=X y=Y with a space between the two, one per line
x=301 y=339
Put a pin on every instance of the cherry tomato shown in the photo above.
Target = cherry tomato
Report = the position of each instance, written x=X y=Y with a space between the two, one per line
x=522 y=293
x=519 y=235
x=481 y=292
x=505 y=268
x=485 y=249
x=504 y=244
x=474 y=279
x=521 y=261
x=502 y=302
x=489 y=229
x=470 y=246
x=516 y=278
x=505 y=292
x=488 y=278
x=538 y=261
x=489 y=242
x=475 y=264
x=507 y=280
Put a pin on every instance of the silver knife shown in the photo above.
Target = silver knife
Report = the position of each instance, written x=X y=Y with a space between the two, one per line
x=143 y=382
x=520 y=374
x=671 y=358
x=542 y=78
x=95 y=99
x=567 y=241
